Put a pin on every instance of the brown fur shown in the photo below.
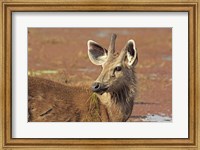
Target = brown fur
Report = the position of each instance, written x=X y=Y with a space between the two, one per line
x=49 y=101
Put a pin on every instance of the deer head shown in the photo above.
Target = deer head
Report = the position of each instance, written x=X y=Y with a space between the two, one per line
x=117 y=69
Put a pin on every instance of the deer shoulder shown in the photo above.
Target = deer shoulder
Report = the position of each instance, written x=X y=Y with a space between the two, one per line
x=50 y=101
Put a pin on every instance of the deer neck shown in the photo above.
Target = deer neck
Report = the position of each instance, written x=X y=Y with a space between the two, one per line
x=119 y=104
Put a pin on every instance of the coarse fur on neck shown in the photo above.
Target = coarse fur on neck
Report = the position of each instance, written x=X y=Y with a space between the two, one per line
x=119 y=101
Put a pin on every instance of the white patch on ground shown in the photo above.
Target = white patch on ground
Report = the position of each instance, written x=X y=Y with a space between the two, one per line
x=87 y=69
x=157 y=118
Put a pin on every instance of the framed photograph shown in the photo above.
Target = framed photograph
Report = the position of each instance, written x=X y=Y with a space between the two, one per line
x=110 y=75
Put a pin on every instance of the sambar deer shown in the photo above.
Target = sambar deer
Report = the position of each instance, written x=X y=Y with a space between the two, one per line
x=110 y=97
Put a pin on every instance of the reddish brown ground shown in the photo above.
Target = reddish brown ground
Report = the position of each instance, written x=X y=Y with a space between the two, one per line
x=60 y=54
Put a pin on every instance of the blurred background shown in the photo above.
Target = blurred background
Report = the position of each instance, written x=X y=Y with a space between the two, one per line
x=60 y=54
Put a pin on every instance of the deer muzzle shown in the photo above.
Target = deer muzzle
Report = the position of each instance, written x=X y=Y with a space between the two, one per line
x=99 y=88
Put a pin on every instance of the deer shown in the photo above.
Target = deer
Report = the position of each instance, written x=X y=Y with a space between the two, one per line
x=109 y=99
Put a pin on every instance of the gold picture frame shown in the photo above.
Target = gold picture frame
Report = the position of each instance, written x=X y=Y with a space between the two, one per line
x=9 y=6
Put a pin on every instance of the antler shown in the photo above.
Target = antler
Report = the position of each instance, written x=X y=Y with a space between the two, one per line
x=111 y=49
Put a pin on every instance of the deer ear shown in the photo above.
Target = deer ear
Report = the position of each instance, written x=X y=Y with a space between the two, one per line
x=132 y=56
x=97 y=54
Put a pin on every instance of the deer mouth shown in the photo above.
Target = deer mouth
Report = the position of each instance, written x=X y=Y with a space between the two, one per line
x=102 y=91
x=99 y=88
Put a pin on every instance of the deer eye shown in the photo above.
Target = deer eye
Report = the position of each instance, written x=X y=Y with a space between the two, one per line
x=118 y=68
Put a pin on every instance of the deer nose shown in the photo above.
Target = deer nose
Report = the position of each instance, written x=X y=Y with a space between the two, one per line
x=96 y=86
